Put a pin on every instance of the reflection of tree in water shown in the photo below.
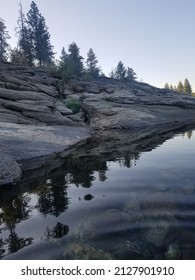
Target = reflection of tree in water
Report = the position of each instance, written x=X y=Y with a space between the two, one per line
x=56 y=232
x=188 y=134
x=13 y=212
x=81 y=177
x=53 y=197
x=15 y=242
x=129 y=159
x=81 y=170
x=102 y=175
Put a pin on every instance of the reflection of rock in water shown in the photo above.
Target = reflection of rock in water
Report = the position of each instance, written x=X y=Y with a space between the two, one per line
x=81 y=251
x=88 y=197
x=58 y=231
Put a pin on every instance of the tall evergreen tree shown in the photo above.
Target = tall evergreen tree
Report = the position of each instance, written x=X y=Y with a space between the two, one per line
x=120 y=71
x=166 y=86
x=123 y=73
x=25 y=40
x=91 y=63
x=75 y=60
x=43 y=50
x=171 y=87
x=112 y=74
x=65 y=68
x=130 y=74
x=180 y=87
x=63 y=57
x=4 y=36
x=16 y=56
x=187 y=87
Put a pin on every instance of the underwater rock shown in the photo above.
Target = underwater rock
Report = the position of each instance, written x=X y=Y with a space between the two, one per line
x=136 y=249
x=81 y=251
x=160 y=229
x=159 y=202
x=189 y=189
x=132 y=205
x=161 y=187
x=173 y=252
x=112 y=220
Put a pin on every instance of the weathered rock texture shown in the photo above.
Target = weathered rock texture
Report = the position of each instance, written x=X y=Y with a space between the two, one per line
x=10 y=172
x=110 y=104
x=34 y=124
x=31 y=97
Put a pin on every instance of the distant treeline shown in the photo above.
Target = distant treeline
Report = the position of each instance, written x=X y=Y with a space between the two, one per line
x=181 y=87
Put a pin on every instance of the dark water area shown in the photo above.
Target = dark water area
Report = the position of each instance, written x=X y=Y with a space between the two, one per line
x=126 y=202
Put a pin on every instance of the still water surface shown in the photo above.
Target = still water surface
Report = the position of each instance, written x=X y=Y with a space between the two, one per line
x=124 y=206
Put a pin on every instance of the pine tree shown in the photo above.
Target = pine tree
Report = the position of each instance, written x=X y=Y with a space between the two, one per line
x=63 y=57
x=4 y=36
x=16 y=56
x=166 y=86
x=25 y=40
x=180 y=87
x=112 y=74
x=75 y=60
x=65 y=68
x=91 y=63
x=120 y=71
x=187 y=87
x=130 y=74
x=43 y=50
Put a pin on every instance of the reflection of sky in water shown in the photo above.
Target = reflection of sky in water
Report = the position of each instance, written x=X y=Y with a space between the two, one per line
x=172 y=157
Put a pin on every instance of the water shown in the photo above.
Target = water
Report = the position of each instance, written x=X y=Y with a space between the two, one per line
x=122 y=203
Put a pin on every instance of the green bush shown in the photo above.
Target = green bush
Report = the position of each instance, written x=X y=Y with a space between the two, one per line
x=73 y=104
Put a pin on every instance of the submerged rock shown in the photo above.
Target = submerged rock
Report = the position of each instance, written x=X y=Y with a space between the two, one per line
x=160 y=229
x=161 y=187
x=173 y=252
x=132 y=205
x=136 y=249
x=112 y=220
x=81 y=251
x=188 y=189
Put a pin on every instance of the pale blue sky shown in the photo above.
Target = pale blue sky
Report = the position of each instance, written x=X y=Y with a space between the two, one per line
x=154 y=37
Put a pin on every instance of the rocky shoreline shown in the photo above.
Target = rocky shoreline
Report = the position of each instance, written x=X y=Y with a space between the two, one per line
x=37 y=127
